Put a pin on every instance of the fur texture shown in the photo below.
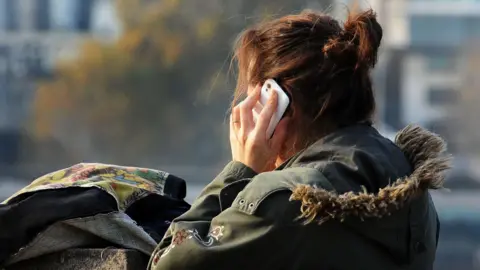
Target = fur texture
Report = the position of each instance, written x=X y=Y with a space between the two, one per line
x=426 y=152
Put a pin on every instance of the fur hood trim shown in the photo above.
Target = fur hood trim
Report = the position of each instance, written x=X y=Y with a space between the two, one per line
x=426 y=152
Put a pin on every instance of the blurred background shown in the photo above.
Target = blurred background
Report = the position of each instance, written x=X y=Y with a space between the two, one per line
x=148 y=83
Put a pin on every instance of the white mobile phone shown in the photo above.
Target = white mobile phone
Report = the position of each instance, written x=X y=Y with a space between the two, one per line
x=283 y=102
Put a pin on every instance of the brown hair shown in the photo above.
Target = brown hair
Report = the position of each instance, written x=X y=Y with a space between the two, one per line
x=325 y=67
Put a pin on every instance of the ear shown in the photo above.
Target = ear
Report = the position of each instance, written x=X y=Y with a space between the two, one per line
x=288 y=143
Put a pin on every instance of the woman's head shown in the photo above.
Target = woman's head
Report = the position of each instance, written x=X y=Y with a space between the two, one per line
x=323 y=65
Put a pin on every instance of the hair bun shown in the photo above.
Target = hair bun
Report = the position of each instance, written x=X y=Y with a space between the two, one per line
x=361 y=36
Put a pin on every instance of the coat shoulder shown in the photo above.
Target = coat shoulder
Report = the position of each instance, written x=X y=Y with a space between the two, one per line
x=273 y=189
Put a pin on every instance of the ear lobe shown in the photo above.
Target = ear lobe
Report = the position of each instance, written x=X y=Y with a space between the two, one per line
x=284 y=125
x=282 y=136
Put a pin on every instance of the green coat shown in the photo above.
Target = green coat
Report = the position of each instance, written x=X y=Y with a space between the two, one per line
x=336 y=205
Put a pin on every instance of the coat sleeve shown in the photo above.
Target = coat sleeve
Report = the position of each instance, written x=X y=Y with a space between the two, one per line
x=250 y=234
x=207 y=205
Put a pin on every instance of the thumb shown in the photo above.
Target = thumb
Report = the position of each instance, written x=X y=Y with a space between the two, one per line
x=280 y=134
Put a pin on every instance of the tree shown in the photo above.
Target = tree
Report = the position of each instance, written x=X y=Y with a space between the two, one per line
x=157 y=95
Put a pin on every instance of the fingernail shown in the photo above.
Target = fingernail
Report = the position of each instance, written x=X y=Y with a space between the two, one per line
x=273 y=96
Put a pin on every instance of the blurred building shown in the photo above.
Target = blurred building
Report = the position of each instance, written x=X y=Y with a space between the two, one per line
x=422 y=63
x=34 y=34
x=389 y=70
x=439 y=31
x=424 y=73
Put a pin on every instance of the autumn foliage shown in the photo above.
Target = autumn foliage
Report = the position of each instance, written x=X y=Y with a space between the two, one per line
x=159 y=94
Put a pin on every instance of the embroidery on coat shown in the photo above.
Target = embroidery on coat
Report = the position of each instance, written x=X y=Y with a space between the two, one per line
x=156 y=258
x=217 y=232
x=182 y=235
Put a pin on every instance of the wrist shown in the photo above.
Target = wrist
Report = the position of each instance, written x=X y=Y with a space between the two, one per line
x=239 y=170
x=259 y=167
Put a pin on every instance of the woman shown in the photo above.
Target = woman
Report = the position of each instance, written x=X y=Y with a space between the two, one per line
x=327 y=191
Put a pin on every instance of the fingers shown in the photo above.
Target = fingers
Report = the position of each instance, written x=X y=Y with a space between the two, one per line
x=234 y=122
x=246 y=107
x=255 y=93
x=232 y=130
x=267 y=113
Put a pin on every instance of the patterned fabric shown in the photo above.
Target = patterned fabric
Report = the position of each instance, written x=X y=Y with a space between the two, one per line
x=125 y=184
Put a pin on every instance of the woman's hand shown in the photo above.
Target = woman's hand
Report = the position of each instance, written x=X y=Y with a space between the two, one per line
x=248 y=139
